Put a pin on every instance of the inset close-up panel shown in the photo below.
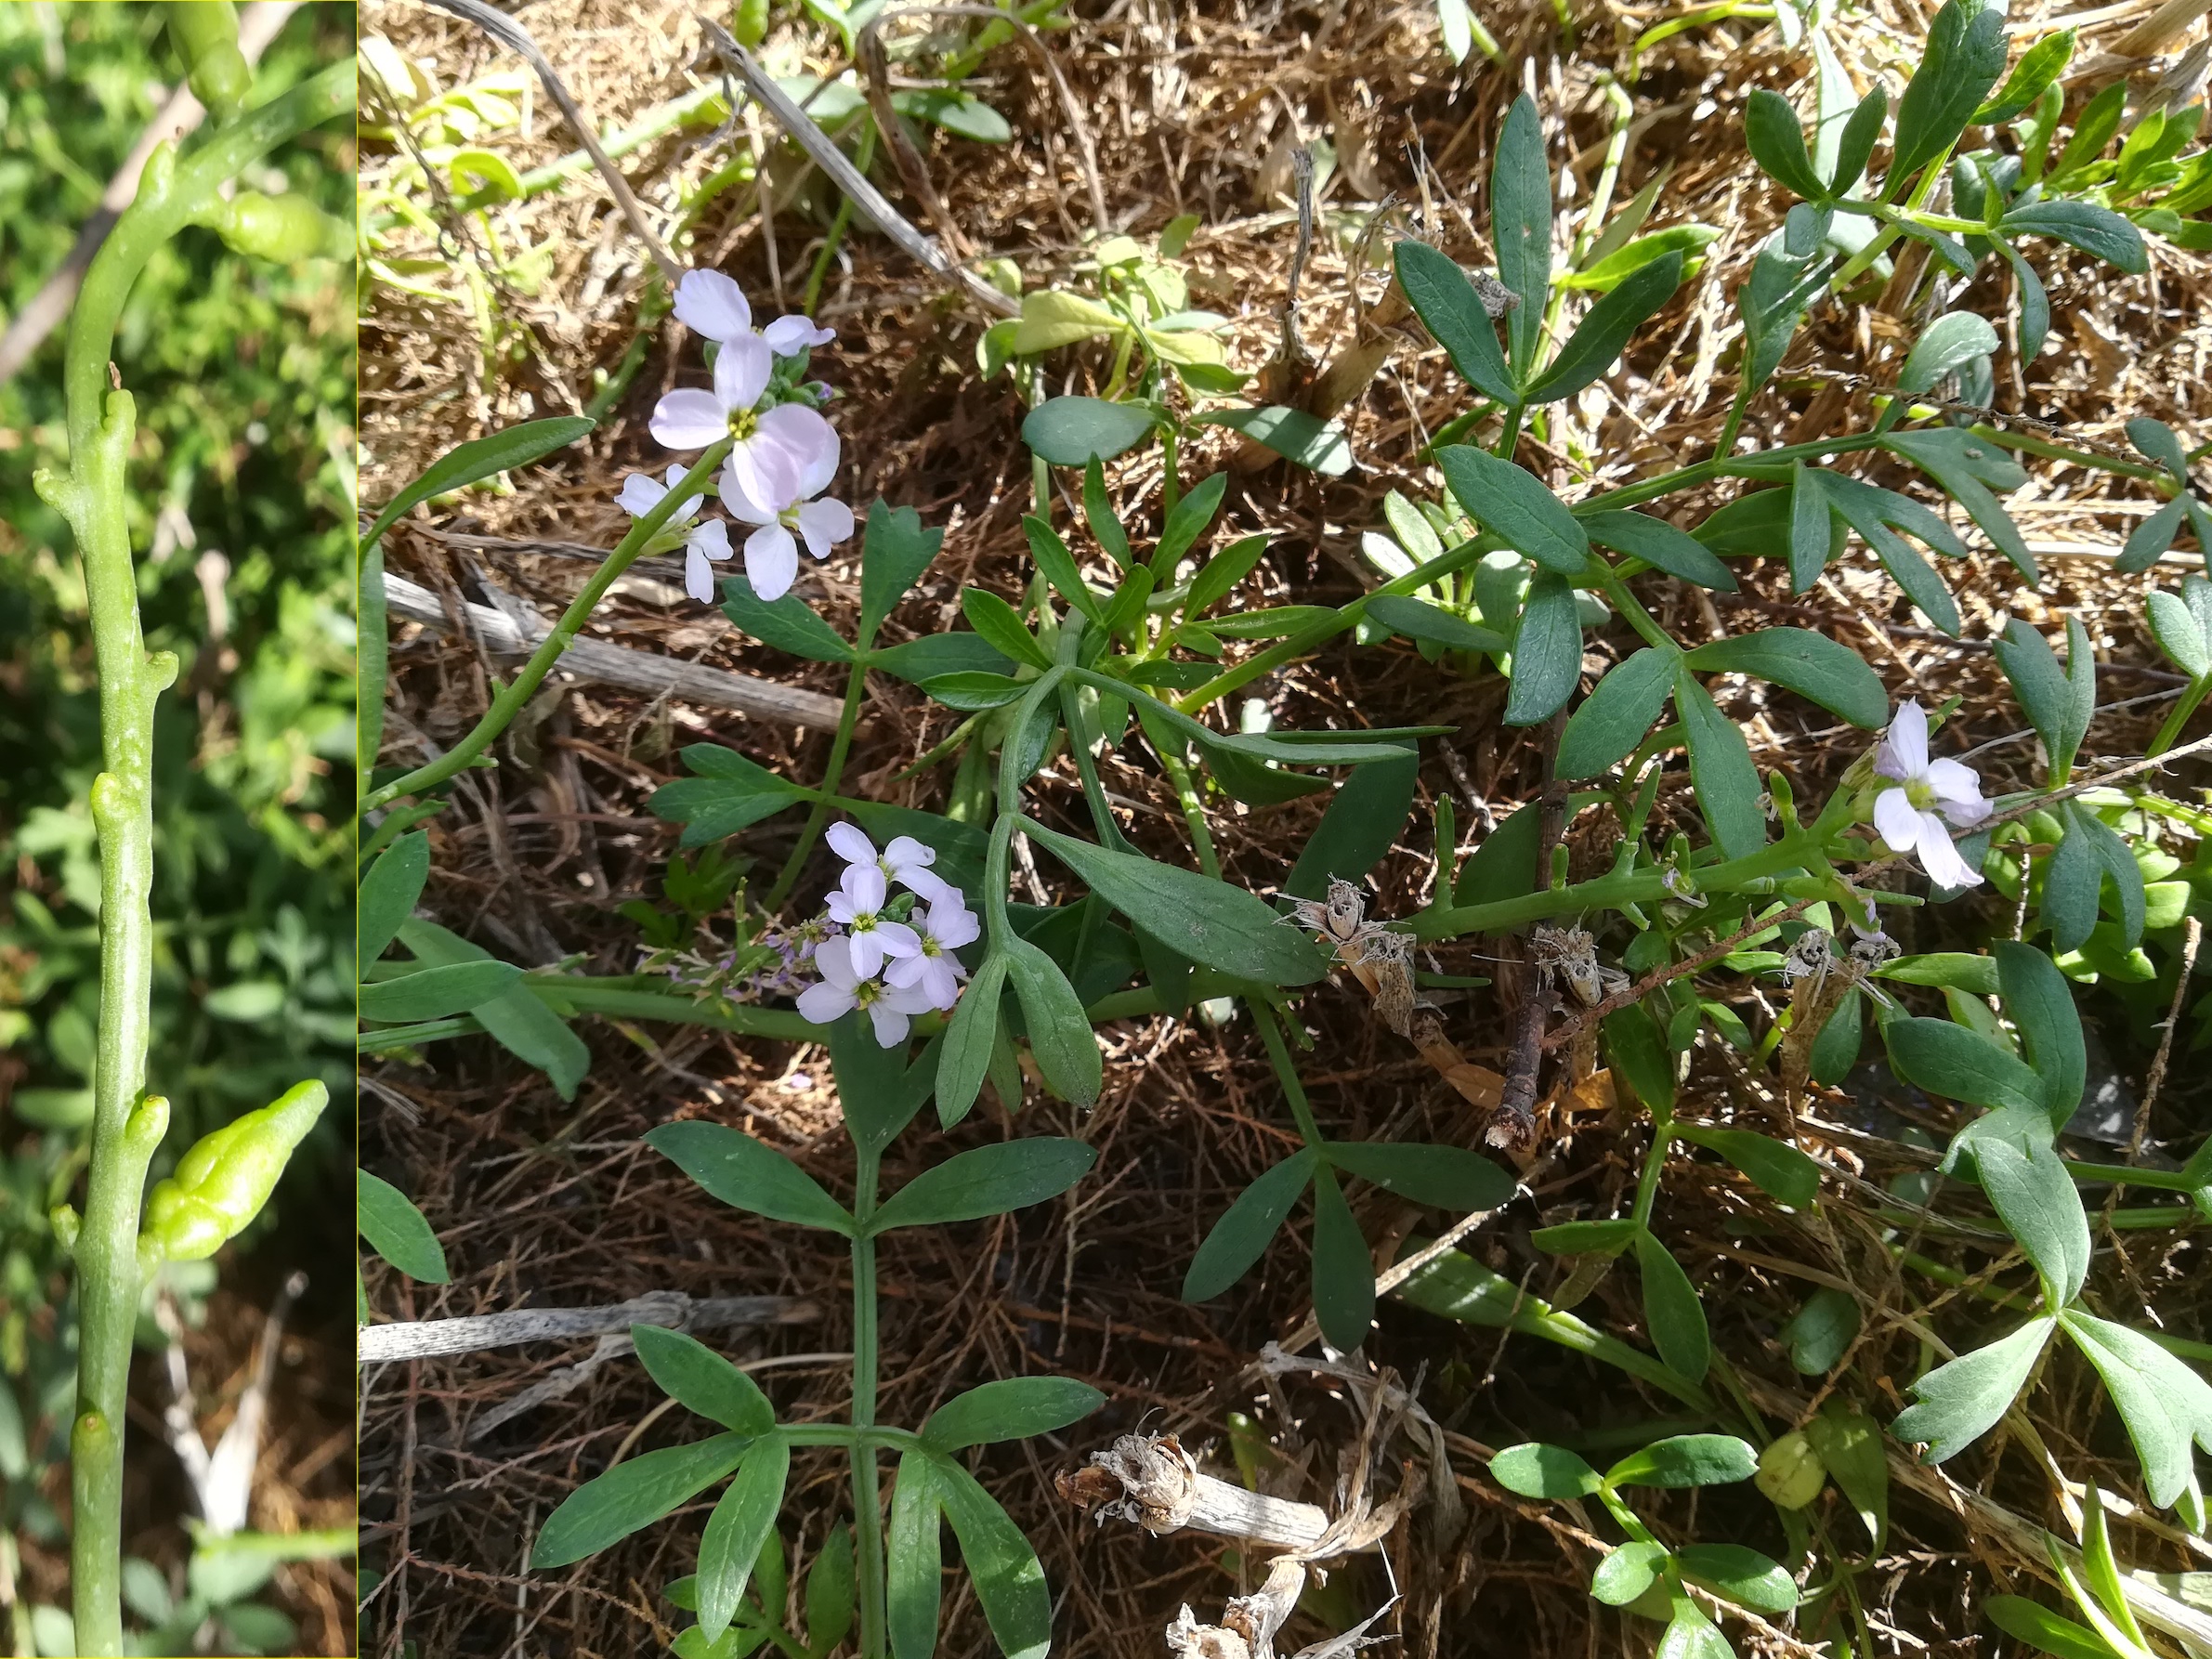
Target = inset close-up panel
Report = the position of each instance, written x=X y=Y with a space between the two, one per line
x=177 y=675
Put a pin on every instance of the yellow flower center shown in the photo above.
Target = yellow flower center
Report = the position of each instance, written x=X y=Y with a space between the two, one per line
x=743 y=423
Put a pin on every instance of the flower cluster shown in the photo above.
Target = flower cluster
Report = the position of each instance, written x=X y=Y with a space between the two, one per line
x=785 y=454
x=895 y=969
x=1907 y=814
x=777 y=963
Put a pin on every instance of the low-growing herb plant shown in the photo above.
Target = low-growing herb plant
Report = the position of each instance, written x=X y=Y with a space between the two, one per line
x=896 y=1576
x=1132 y=629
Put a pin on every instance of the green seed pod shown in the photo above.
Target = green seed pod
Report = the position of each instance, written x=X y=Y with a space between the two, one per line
x=205 y=34
x=751 y=23
x=1790 y=1472
x=282 y=228
x=223 y=1181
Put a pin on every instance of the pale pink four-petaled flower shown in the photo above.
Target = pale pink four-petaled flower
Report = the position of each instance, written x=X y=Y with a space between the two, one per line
x=941 y=930
x=844 y=988
x=772 y=552
x=709 y=303
x=1911 y=817
x=858 y=904
x=783 y=456
x=709 y=539
x=906 y=860
x=915 y=959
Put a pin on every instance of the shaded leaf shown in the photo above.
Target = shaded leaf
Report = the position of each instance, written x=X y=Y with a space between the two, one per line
x=1344 y=1273
x=914 y=1589
x=1686 y=1460
x=1059 y=1029
x=1515 y=503
x=389 y=891
x=1446 y=302
x=1533 y=1470
x=1013 y=1408
x=633 y=1494
x=1009 y=1581
x=1721 y=769
x=745 y=1174
x=986 y=1180
x=701 y=1380
x=1206 y=920
x=1547 y=652
x=1811 y=664
x=1246 y=1227
x=739 y=1525
x=1956 y=1404
x=1448 y=1177
x=1672 y=1311
x=1072 y=431
x=1615 y=716
x=395 y=1230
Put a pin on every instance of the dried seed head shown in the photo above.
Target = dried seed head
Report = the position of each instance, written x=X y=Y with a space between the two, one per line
x=1810 y=957
x=1497 y=298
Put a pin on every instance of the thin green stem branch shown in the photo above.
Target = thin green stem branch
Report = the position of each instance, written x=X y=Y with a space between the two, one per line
x=1286 y=1073
x=868 y=1501
x=855 y=688
x=516 y=694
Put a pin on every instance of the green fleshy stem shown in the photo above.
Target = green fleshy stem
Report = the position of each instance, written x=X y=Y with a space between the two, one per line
x=127 y=1123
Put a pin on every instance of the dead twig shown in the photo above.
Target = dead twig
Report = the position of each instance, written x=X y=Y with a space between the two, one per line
x=870 y=201
x=506 y=30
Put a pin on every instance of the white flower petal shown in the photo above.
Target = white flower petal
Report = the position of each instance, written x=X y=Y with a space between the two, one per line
x=1905 y=748
x=771 y=561
x=868 y=954
x=898 y=938
x=905 y=851
x=1899 y=824
x=953 y=925
x=864 y=885
x=640 y=494
x=824 y=524
x=738 y=497
x=741 y=371
x=1941 y=859
x=699 y=575
x=810 y=442
x=913 y=999
x=711 y=304
x=928 y=887
x=710 y=537
x=1958 y=791
x=688 y=418
x=850 y=842
x=945 y=988
x=891 y=1024
x=824 y=1004
x=788 y=336
x=761 y=473
x=833 y=962
x=904 y=970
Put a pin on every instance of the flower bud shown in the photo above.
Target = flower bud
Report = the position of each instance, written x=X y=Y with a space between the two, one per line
x=205 y=34
x=223 y=1181
x=1790 y=1472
